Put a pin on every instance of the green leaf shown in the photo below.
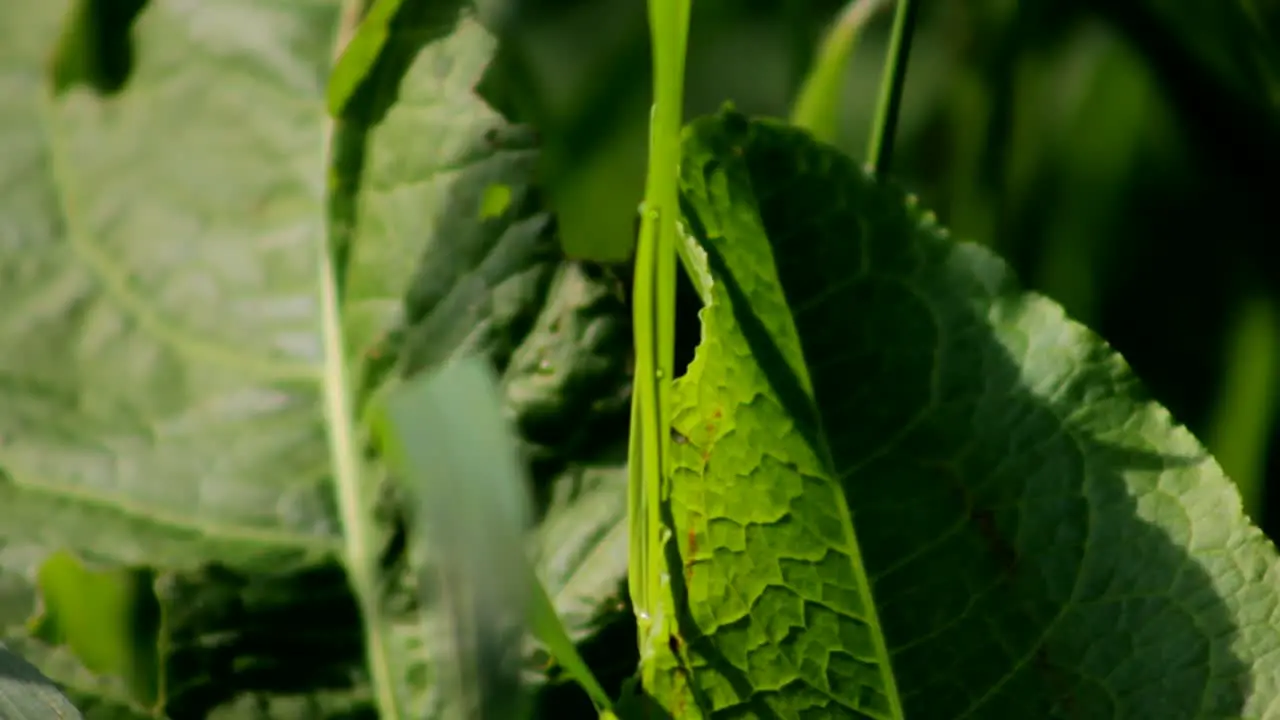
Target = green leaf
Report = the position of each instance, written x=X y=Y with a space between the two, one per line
x=432 y=271
x=160 y=251
x=1042 y=540
x=94 y=695
x=775 y=613
x=485 y=283
x=582 y=544
x=25 y=694
x=551 y=632
x=160 y=278
x=567 y=387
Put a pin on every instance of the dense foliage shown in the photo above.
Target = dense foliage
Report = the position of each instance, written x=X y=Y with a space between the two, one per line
x=900 y=483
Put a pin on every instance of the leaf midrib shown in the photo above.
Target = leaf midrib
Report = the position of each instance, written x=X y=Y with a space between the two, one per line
x=341 y=421
x=185 y=523
x=115 y=284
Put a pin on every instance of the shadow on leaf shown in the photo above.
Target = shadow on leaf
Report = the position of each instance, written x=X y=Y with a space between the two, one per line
x=1042 y=540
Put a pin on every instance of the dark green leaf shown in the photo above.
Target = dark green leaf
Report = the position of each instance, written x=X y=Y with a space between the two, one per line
x=1042 y=539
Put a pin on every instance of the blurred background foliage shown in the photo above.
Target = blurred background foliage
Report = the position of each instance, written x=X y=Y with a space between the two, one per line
x=1123 y=155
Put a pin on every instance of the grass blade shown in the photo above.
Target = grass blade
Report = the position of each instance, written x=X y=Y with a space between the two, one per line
x=445 y=433
x=360 y=54
x=892 y=81
x=817 y=106
x=548 y=628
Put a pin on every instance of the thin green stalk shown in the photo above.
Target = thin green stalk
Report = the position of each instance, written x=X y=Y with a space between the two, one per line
x=1248 y=404
x=547 y=627
x=817 y=107
x=345 y=448
x=347 y=471
x=654 y=316
x=894 y=77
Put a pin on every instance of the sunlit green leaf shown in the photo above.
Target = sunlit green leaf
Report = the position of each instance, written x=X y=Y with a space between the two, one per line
x=1041 y=539
x=160 y=249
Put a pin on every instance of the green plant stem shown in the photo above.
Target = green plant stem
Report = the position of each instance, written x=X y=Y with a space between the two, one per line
x=654 y=313
x=892 y=81
x=347 y=472
x=341 y=420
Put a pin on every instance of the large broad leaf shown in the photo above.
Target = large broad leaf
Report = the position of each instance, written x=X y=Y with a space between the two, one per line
x=163 y=293
x=1040 y=539
x=175 y=344
x=445 y=208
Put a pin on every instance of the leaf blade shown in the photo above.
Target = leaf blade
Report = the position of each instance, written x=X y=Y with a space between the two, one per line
x=755 y=503
x=469 y=498
x=1019 y=500
x=228 y=187
x=83 y=431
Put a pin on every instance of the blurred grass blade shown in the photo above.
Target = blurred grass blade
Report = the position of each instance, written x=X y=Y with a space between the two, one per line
x=548 y=628
x=893 y=78
x=817 y=106
x=1247 y=404
x=444 y=434
x=361 y=53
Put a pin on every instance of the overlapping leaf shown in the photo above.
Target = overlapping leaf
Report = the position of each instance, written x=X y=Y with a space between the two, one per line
x=161 y=407
x=1040 y=538
x=161 y=300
